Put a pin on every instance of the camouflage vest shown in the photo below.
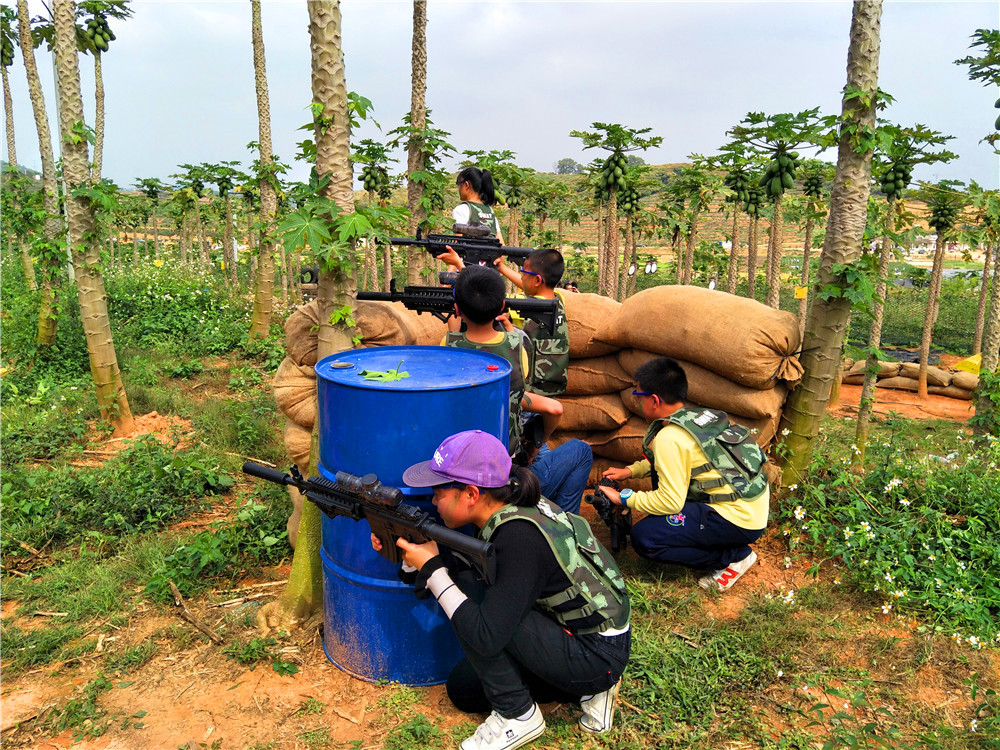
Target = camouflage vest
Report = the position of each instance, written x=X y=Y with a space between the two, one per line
x=549 y=354
x=480 y=213
x=730 y=450
x=510 y=349
x=590 y=568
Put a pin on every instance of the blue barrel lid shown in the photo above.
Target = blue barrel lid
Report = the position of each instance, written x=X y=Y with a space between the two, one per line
x=427 y=367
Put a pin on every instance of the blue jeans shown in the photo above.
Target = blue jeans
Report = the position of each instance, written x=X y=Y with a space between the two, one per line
x=563 y=473
x=697 y=537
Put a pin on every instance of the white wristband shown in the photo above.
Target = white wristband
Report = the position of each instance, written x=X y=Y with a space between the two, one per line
x=448 y=595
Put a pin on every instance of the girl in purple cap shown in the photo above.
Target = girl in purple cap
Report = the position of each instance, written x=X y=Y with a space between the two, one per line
x=553 y=626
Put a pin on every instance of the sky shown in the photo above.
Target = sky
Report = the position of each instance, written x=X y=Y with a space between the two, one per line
x=179 y=83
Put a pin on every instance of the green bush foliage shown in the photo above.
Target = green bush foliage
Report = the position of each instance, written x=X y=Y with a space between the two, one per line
x=140 y=489
x=919 y=533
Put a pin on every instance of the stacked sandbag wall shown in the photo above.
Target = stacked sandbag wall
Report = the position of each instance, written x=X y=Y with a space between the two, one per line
x=904 y=376
x=739 y=357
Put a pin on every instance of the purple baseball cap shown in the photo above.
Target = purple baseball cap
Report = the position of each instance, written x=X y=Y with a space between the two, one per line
x=473 y=457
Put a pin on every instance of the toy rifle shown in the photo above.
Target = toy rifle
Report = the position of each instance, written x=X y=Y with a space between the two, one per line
x=439 y=301
x=367 y=498
x=473 y=243
x=617 y=518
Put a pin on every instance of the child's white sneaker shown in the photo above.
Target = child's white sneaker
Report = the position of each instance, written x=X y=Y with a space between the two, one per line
x=498 y=733
x=723 y=580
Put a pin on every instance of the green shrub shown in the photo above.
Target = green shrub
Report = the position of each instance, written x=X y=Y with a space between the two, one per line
x=920 y=533
x=142 y=488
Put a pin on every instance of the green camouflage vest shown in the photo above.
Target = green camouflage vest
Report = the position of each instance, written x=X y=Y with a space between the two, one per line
x=479 y=213
x=549 y=355
x=591 y=568
x=510 y=349
x=730 y=450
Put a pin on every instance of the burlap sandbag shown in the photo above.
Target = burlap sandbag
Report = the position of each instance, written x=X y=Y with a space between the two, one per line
x=596 y=375
x=714 y=391
x=623 y=444
x=384 y=323
x=297 y=442
x=967 y=380
x=295 y=392
x=951 y=391
x=899 y=383
x=885 y=369
x=764 y=430
x=738 y=338
x=584 y=315
x=935 y=375
x=856 y=379
x=426 y=329
x=301 y=337
x=563 y=436
x=601 y=412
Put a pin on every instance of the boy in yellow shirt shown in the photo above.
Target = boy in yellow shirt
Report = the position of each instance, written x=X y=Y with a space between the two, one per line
x=710 y=498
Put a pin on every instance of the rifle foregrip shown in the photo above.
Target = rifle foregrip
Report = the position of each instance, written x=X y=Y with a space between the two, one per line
x=264 y=472
x=459 y=542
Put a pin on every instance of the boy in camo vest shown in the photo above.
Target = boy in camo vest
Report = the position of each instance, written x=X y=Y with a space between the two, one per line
x=479 y=300
x=538 y=277
x=710 y=498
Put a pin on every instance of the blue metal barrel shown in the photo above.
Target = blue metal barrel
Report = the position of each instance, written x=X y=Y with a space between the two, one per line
x=374 y=627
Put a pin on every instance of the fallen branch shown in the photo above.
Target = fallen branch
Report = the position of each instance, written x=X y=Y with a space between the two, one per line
x=242 y=599
x=638 y=710
x=43 y=613
x=186 y=614
x=251 y=458
x=256 y=586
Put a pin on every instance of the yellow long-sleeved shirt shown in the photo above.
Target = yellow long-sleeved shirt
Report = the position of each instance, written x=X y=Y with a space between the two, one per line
x=675 y=452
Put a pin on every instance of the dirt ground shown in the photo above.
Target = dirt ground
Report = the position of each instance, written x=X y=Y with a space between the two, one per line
x=190 y=696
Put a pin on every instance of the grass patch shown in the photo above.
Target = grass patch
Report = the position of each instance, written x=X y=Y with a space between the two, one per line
x=131 y=658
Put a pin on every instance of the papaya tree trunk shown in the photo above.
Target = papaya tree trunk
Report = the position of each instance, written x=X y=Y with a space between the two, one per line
x=8 y=107
x=734 y=254
x=827 y=319
x=95 y=170
x=622 y=285
x=678 y=249
x=985 y=408
x=804 y=273
x=263 y=301
x=337 y=286
x=559 y=234
x=415 y=161
x=931 y=313
x=633 y=279
x=753 y=231
x=692 y=243
x=51 y=262
x=977 y=342
x=611 y=248
x=111 y=398
x=874 y=342
x=774 y=258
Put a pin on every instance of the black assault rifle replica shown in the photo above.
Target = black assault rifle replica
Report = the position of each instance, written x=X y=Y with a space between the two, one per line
x=439 y=301
x=367 y=498
x=474 y=245
x=617 y=518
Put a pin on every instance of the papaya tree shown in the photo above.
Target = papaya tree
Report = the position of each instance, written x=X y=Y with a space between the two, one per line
x=617 y=140
x=153 y=188
x=50 y=246
x=673 y=221
x=565 y=208
x=812 y=213
x=96 y=38
x=700 y=184
x=374 y=159
x=982 y=234
x=945 y=201
x=734 y=159
x=778 y=136
x=988 y=204
x=985 y=68
x=111 y=398
x=225 y=176
x=830 y=309
x=334 y=236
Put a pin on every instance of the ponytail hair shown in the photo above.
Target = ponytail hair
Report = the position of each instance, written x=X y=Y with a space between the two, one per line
x=481 y=181
x=521 y=490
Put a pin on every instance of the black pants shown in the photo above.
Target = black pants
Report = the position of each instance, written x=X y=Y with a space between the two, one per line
x=697 y=537
x=541 y=663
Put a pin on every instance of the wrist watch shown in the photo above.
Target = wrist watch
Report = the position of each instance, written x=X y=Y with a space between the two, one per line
x=625 y=495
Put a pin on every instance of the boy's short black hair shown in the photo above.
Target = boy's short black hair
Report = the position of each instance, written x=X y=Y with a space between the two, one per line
x=479 y=294
x=664 y=377
x=548 y=264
